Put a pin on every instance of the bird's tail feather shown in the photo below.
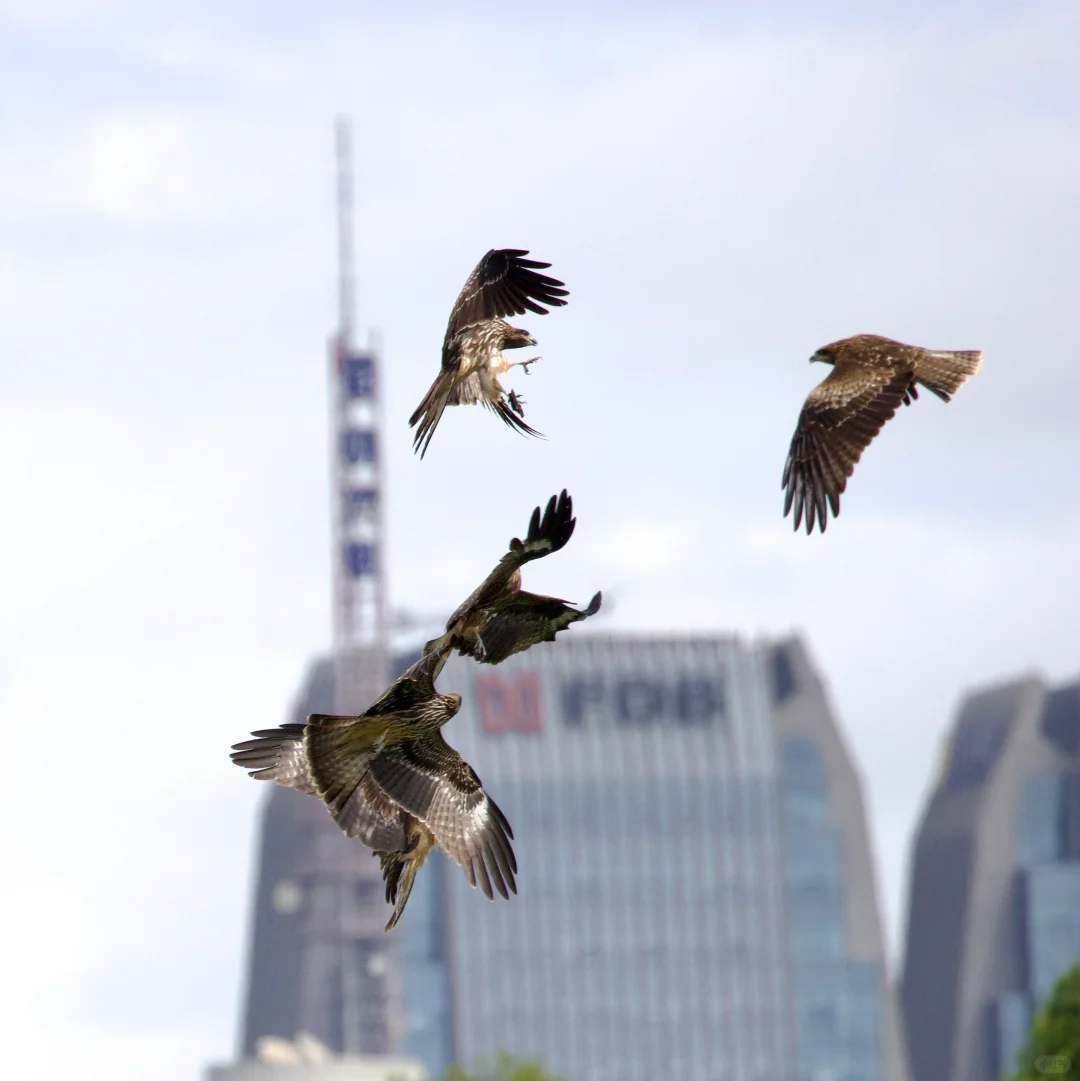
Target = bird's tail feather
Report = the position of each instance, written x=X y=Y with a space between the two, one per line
x=430 y=410
x=403 y=883
x=943 y=371
x=404 y=888
x=391 y=863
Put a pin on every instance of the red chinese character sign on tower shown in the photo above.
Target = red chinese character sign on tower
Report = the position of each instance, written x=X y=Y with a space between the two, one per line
x=510 y=704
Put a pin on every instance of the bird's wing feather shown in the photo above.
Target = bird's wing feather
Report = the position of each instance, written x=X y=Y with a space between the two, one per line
x=839 y=419
x=339 y=750
x=502 y=284
x=527 y=620
x=546 y=534
x=337 y=777
x=369 y=817
x=277 y=754
x=430 y=780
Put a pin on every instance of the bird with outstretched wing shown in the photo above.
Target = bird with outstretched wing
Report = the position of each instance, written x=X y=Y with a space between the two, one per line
x=500 y=618
x=871 y=376
x=503 y=283
x=390 y=780
x=441 y=802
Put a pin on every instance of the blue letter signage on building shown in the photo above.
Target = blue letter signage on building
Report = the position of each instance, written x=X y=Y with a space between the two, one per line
x=359 y=377
x=359 y=445
x=358 y=502
x=642 y=700
x=360 y=559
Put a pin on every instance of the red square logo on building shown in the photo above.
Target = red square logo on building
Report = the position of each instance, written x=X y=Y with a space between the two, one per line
x=510 y=704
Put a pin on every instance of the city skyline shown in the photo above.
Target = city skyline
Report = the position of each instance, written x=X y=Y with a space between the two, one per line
x=688 y=823
x=767 y=181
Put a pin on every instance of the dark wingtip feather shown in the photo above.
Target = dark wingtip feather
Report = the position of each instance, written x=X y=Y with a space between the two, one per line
x=482 y=875
x=496 y=872
x=507 y=415
x=496 y=811
x=549 y=513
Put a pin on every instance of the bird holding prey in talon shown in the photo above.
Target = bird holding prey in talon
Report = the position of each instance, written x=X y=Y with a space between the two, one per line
x=871 y=376
x=389 y=779
x=502 y=284
x=500 y=618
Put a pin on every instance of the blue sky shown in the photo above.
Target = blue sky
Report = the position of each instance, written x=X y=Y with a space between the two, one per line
x=721 y=193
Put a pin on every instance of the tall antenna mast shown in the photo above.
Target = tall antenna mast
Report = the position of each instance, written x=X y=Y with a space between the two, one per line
x=346 y=270
x=350 y=978
x=356 y=479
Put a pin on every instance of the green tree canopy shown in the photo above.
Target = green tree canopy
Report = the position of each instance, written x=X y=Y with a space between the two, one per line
x=504 y=1068
x=1053 y=1048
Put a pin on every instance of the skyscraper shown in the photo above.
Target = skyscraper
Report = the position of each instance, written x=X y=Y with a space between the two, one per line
x=994 y=906
x=696 y=891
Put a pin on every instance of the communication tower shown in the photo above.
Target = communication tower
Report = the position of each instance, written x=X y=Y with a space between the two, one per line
x=320 y=962
x=357 y=563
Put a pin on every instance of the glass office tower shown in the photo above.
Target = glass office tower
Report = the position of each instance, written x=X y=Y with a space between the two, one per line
x=696 y=897
x=994 y=909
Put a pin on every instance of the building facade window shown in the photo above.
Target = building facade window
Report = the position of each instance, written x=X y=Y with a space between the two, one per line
x=837 y=1001
x=1038 y=833
x=1047 y=911
x=673 y=860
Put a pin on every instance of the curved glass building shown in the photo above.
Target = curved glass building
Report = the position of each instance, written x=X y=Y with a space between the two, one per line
x=994 y=909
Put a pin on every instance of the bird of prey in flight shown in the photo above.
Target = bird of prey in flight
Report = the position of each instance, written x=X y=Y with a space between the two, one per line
x=441 y=802
x=389 y=779
x=871 y=376
x=502 y=284
x=500 y=618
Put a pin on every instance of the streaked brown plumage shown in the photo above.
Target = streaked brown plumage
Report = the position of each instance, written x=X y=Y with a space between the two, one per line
x=871 y=376
x=441 y=801
x=390 y=780
x=500 y=618
x=502 y=284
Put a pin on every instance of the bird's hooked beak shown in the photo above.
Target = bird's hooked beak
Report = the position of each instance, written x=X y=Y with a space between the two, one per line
x=818 y=357
x=519 y=339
